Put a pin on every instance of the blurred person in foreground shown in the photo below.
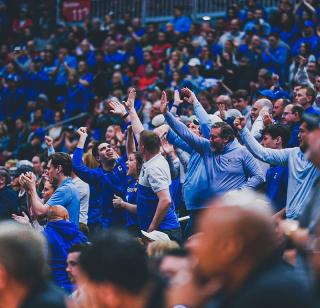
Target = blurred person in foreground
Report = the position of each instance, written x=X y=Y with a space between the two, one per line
x=23 y=282
x=73 y=268
x=237 y=260
x=115 y=274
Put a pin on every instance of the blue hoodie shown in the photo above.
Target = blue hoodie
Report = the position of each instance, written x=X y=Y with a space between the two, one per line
x=61 y=235
x=233 y=168
x=107 y=184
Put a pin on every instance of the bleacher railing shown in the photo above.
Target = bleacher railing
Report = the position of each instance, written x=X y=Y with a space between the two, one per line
x=147 y=10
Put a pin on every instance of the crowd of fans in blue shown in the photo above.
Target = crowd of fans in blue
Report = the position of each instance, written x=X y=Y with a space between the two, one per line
x=171 y=115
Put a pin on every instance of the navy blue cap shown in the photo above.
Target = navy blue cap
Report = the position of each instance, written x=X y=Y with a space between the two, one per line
x=308 y=23
x=268 y=94
x=282 y=94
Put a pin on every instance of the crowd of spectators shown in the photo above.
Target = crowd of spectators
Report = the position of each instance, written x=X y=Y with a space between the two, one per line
x=120 y=124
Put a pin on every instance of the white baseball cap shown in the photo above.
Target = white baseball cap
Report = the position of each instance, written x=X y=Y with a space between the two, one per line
x=194 y=62
x=156 y=236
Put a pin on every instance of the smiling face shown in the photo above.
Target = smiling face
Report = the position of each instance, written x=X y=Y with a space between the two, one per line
x=132 y=165
x=105 y=152
x=110 y=133
x=47 y=191
x=216 y=141
x=303 y=137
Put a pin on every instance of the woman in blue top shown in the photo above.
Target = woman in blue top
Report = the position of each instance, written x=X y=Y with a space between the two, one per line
x=134 y=165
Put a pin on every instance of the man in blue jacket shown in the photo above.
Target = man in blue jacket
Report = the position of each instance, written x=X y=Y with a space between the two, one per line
x=109 y=178
x=229 y=165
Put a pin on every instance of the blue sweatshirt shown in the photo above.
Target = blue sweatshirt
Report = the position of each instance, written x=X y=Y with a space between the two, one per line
x=276 y=186
x=196 y=176
x=233 y=168
x=107 y=185
x=302 y=173
x=61 y=235
x=197 y=173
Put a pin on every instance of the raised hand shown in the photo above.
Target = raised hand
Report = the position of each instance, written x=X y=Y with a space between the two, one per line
x=162 y=130
x=267 y=119
x=82 y=132
x=176 y=97
x=163 y=103
x=239 y=123
x=190 y=97
x=222 y=110
x=49 y=141
x=117 y=108
x=28 y=181
x=131 y=99
x=166 y=147
x=23 y=219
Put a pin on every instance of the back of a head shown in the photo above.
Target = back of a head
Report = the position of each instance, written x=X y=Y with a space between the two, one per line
x=150 y=141
x=22 y=253
x=250 y=214
x=266 y=104
x=116 y=258
x=62 y=159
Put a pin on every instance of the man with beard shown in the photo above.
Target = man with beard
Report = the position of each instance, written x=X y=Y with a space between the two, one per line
x=229 y=165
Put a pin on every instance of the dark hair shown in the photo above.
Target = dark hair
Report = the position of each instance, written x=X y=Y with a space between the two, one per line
x=117 y=258
x=177 y=252
x=79 y=247
x=274 y=34
x=298 y=109
x=62 y=159
x=241 y=93
x=95 y=148
x=226 y=130
x=5 y=175
x=277 y=130
x=139 y=161
x=54 y=184
x=309 y=91
x=150 y=141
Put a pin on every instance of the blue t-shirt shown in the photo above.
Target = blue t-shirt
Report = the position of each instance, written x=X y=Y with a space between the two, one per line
x=68 y=196
x=131 y=197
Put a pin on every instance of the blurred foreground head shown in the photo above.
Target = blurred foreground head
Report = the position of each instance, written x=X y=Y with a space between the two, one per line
x=22 y=261
x=115 y=271
x=235 y=232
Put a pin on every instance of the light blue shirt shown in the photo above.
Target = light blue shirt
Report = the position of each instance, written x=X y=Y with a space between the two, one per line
x=302 y=173
x=67 y=196
x=233 y=168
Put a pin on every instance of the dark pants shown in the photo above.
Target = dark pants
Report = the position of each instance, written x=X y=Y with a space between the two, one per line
x=174 y=234
x=94 y=230
x=190 y=228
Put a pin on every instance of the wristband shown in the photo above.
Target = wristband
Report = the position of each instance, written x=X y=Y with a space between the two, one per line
x=125 y=115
